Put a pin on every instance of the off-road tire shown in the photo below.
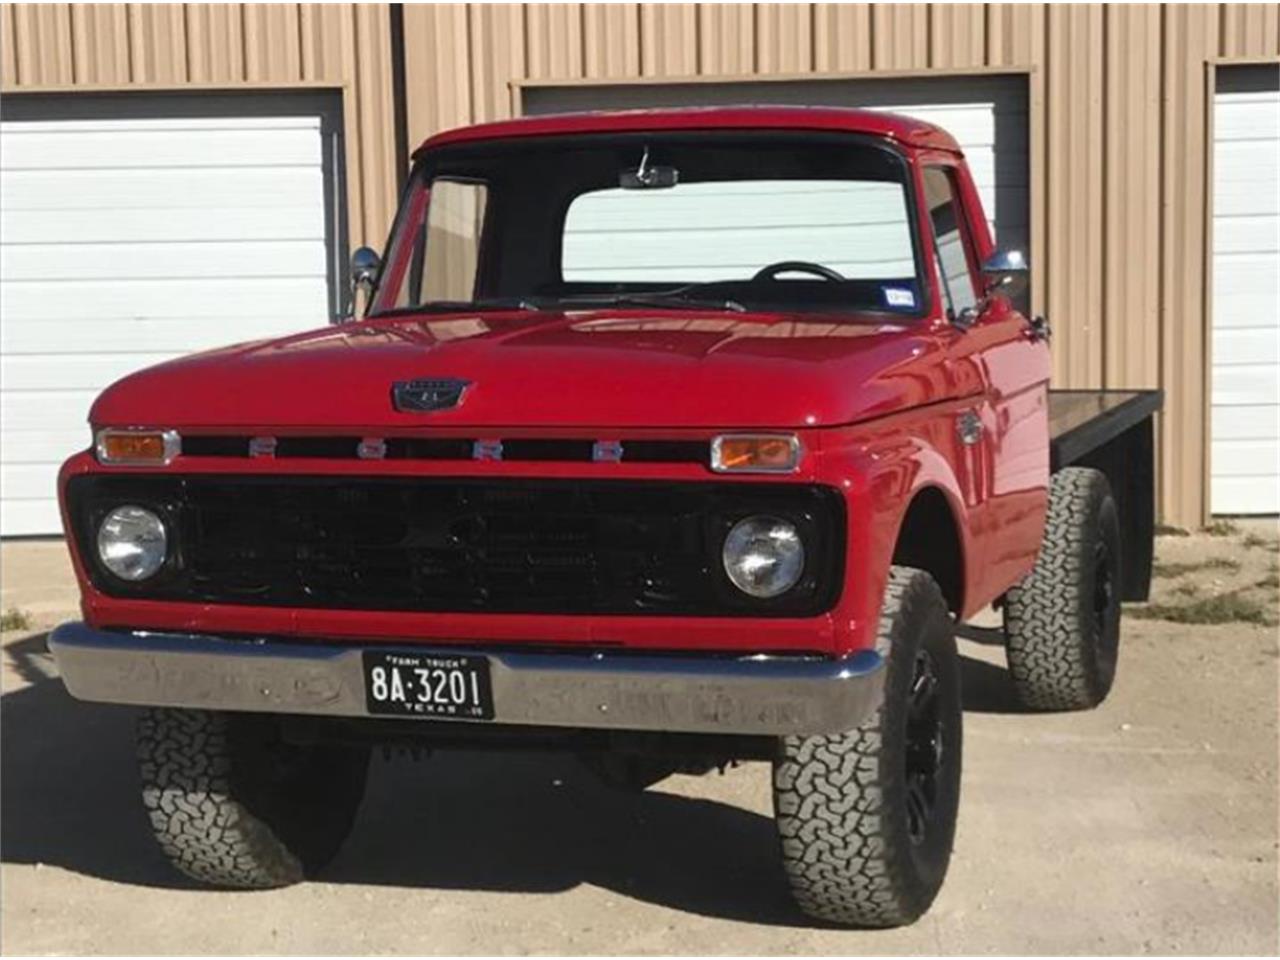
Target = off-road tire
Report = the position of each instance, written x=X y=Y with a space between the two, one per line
x=1062 y=623
x=851 y=850
x=234 y=805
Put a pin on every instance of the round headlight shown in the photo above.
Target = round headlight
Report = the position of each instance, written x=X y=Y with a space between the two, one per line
x=763 y=556
x=132 y=543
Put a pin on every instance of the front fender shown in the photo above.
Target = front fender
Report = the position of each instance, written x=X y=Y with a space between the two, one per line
x=880 y=467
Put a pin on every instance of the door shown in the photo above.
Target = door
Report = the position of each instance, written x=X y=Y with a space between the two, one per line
x=1245 y=416
x=995 y=360
x=136 y=228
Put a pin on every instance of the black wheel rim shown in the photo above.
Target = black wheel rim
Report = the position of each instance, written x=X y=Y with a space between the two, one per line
x=925 y=754
x=1103 y=588
x=1105 y=607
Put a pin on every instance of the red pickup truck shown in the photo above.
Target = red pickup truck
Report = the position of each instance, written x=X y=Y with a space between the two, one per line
x=666 y=438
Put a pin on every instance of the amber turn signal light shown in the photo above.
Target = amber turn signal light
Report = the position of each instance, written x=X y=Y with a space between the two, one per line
x=138 y=447
x=755 y=453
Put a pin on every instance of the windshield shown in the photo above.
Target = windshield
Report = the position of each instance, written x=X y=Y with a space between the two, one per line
x=795 y=222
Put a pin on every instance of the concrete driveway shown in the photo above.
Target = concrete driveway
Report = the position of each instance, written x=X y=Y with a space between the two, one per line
x=1148 y=825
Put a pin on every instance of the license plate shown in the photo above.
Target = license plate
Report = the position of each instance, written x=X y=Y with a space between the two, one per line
x=443 y=686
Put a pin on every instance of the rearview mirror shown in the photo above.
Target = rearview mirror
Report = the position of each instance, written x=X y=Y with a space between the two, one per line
x=651 y=178
x=1007 y=272
x=648 y=177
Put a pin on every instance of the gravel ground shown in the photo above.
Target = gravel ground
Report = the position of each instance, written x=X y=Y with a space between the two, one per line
x=1148 y=825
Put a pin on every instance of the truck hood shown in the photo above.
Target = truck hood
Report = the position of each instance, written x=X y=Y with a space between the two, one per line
x=619 y=368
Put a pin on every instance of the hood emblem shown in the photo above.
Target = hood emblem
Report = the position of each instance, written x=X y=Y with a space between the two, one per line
x=424 y=396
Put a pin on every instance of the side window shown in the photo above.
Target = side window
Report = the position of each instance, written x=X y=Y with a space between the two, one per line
x=951 y=241
x=446 y=249
x=455 y=222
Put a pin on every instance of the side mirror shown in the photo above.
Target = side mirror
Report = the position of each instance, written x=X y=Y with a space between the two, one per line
x=365 y=263
x=364 y=267
x=1007 y=272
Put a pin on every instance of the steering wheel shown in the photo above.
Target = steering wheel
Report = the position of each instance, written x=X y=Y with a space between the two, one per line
x=797 y=266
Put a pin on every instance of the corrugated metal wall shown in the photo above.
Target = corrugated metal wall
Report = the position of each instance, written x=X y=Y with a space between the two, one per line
x=134 y=46
x=1118 y=140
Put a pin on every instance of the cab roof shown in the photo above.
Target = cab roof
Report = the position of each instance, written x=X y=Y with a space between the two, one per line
x=891 y=126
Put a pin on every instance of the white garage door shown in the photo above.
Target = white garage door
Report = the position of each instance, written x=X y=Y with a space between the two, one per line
x=987 y=116
x=1245 y=455
x=125 y=242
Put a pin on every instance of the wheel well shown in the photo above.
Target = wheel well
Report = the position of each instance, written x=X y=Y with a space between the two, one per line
x=929 y=540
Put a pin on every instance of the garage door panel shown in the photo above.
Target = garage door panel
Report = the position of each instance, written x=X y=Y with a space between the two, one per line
x=43 y=446
x=74 y=371
x=28 y=481
x=48 y=409
x=1246 y=384
x=1244 y=495
x=1243 y=159
x=129 y=262
x=159 y=335
x=1246 y=346
x=292 y=300
x=1242 y=307
x=180 y=189
x=1246 y=272
x=1246 y=422
x=31 y=517
x=1247 y=116
x=1246 y=458
x=302 y=222
x=1249 y=196
x=79 y=148
x=1247 y=234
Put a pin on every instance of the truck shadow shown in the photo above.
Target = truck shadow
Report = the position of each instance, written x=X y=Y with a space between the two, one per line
x=514 y=822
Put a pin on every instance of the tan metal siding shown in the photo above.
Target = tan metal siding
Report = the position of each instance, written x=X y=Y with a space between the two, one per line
x=1072 y=270
x=839 y=37
x=137 y=46
x=726 y=38
x=1131 y=199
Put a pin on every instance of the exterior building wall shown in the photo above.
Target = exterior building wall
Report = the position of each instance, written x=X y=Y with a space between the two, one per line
x=1119 y=123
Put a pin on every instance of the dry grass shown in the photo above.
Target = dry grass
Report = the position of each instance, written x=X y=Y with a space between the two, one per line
x=1181 y=569
x=1221 y=528
x=1233 y=607
x=14 y=619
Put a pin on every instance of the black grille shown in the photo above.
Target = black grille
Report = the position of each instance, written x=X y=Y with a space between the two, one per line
x=463 y=545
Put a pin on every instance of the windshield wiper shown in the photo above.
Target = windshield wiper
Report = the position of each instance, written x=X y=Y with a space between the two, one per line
x=656 y=299
x=490 y=303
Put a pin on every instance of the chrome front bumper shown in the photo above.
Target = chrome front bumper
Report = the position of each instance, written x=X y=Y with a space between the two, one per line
x=750 y=695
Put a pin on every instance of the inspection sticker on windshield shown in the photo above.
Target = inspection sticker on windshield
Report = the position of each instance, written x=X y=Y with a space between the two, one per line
x=899 y=297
